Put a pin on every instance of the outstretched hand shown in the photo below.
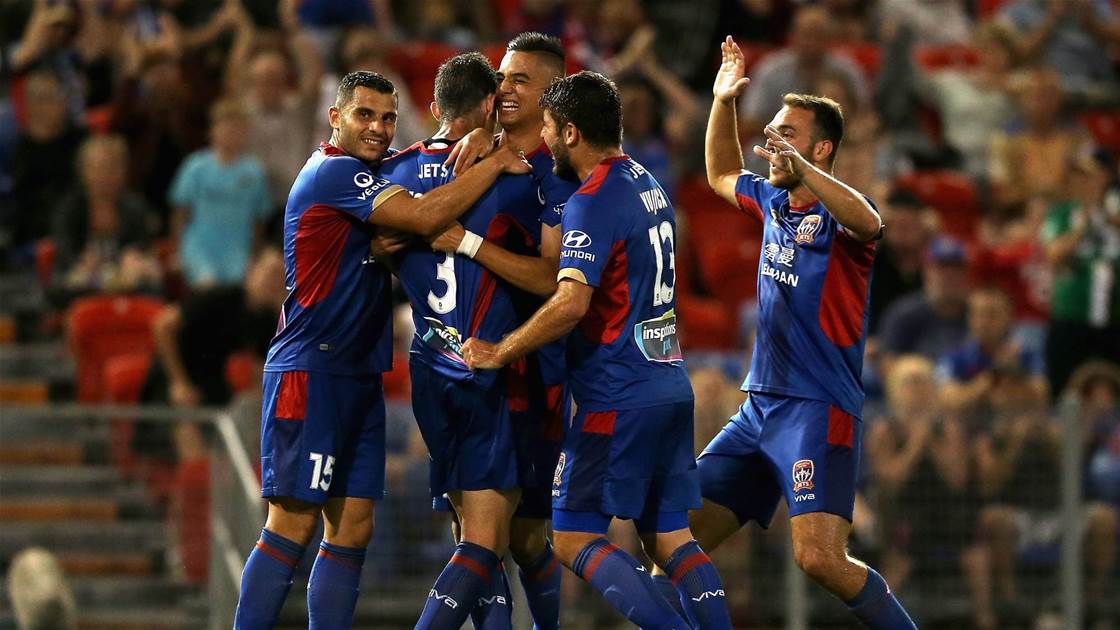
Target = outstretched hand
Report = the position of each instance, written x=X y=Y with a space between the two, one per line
x=781 y=153
x=481 y=355
x=731 y=79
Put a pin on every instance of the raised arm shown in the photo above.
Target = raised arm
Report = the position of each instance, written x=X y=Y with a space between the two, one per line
x=432 y=213
x=723 y=155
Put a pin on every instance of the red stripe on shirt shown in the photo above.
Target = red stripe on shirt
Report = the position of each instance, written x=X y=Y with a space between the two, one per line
x=601 y=422
x=320 y=239
x=606 y=316
x=845 y=289
x=841 y=428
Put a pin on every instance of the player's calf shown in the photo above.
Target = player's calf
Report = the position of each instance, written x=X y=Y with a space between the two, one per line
x=538 y=570
x=267 y=576
x=668 y=541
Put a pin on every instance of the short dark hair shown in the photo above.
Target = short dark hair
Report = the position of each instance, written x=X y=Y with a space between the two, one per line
x=362 y=78
x=462 y=82
x=828 y=118
x=533 y=42
x=589 y=101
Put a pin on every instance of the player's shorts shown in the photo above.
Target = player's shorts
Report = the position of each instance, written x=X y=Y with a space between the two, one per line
x=628 y=463
x=467 y=430
x=805 y=450
x=540 y=436
x=322 y=435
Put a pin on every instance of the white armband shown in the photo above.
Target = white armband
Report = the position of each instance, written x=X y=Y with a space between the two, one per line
x=470 y=244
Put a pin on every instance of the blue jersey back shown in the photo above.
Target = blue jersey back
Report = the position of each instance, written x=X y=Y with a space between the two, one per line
x=337 y=317
x=813 y=281
x=619 y=235
x=453 y=297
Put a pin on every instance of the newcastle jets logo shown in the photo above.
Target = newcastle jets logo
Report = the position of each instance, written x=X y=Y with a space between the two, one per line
x=575 y=239
x=807 y=231
x=802 y=475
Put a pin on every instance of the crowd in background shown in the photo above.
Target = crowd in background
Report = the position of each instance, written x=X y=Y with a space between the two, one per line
x=147 y=147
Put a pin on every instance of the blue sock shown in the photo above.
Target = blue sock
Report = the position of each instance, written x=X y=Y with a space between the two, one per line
x=624 y=583
x=494 y=609
x=541 y=581
x=332 y=590
x=265 y=582
x=877 y=607
x=669 y=591
x=458 y=587
x=701 y=591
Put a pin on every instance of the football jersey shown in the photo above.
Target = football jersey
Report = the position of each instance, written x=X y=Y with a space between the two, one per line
x=337 y=317
x=555 y=191
x=619 y=234
x=453 y=297
x=813 y=281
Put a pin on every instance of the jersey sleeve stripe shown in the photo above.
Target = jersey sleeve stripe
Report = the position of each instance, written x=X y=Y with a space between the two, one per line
x=749 y=206
x=606 y=316
x=844 y=296
x=384 y=195
x=572 y=273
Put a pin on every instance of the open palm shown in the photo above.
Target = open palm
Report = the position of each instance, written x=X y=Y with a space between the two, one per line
x=731 y=78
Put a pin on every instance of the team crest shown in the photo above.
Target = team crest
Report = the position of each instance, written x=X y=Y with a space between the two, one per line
x=559 y=470
x=802 y=475
x=807 y=231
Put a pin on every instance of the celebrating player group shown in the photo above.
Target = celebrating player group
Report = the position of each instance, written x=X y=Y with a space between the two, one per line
x=540 y=268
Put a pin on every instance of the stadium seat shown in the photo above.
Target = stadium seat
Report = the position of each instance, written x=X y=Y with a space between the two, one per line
x=102 y=327
x=417 y=63
x=952 y=195
x=45 y=253
x=986 y=9
x=242 y=372
x=124 y=377
x=942 y=56
x=494 y=52
x=729 y=269
x=705 y=323
x=1105 y=127
x=868 y=56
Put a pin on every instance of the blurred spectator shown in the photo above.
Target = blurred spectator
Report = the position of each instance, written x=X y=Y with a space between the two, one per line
x=920 y=467
x=44 y=159
x=1094 y=391
x=160 y=110
x=972 y=103
x=931 y=21
x=40 y=595
x=1030 y=159
x=366 y=49
x=220 y=196
x=796 y=69
x=867 y=163
x=932 y=321
x=282 y=100
x=1069 y=36
x=851 y=20
x=761 y=21
x=1082 y=240
x=194 y=342
x=897 y=269
x=65 y=39
x=103 y=230
x=972 y=372
x=523 y=16
x=444 y=21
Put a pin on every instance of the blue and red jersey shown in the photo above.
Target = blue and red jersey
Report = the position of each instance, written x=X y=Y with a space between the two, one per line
x=453 y=297
x=813 y=281
x=619 y=236
x=337 y=317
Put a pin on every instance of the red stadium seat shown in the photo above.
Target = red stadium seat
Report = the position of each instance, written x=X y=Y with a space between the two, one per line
x=124 y=378
x=868 y=56
x=705 y=323
x=952 y=195
x=243 y=370
x=417 y=63
x=753 y=52
x=729 y=269
x=988 y=8
x=100 y=328
x=1105 y=127
x=45 y=252
x=941 y=56
x=494 y=52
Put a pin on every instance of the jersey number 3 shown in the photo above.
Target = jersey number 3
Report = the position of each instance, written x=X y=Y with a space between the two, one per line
x=445 y=273
x=663 y=291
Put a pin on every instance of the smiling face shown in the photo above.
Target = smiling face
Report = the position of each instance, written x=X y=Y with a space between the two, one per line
x=522 y=78
x=561 y=158
x=364 y=127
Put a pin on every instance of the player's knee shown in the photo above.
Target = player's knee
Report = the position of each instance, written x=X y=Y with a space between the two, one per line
x=293 y=519
x=818 y=561
x=567 y=545
x=712 y=524
x=527 y=540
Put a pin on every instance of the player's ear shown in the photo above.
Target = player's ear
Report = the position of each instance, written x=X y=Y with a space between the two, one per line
x=434 y=109
x=334 y=116
x=822 y=149
x=571 y=135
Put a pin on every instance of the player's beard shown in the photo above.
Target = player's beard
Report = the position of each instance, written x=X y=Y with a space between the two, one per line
x=783 y=179
x=562 y=162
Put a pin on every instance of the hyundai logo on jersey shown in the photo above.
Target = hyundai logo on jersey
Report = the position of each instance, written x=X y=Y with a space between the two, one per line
x=576 y=239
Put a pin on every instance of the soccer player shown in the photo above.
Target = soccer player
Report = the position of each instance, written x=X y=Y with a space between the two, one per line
x=323 y=417
x=628 y=451
x=464 y=416
x=798 y=433
x=531 y=62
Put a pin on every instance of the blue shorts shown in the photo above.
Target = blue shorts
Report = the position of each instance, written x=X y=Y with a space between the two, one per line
x=540 y=436
x=804 y=450
x=628 y=464
x=322 y=435
x=467 y=429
